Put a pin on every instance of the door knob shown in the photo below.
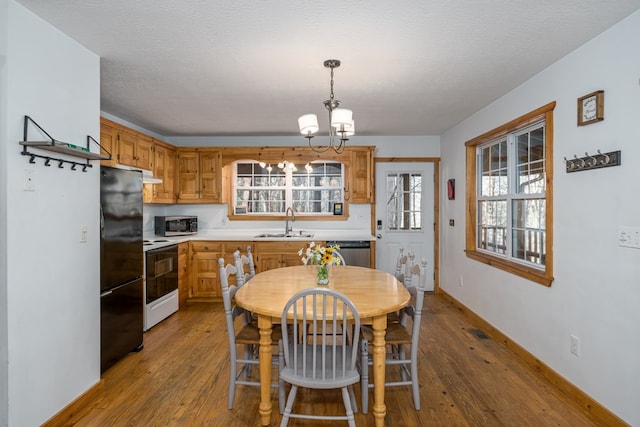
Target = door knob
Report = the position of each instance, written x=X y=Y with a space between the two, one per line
x=379 y=236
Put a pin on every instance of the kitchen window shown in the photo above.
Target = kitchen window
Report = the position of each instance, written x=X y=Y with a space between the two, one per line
x=269 y=189
x=509 y=196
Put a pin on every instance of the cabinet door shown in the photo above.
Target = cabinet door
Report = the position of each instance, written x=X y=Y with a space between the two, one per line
x=270 y=255
x=204 y=270
x=143 y=152
x=164 y=168
x=188 y=180
x=210 y=175
x=127 y=147
x=109 y=141
x=361 y=184
x=268 y=261
x=290 y=259
x=205 y=275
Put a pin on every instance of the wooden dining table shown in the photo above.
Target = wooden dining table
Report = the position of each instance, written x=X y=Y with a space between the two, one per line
x=373 y=292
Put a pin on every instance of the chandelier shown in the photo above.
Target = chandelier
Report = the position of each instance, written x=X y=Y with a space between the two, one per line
x=341 y=124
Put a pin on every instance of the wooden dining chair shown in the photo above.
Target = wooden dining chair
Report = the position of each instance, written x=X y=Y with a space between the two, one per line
x=240 y=260
x=319 y=360
x=397 y=337
x=247 y=336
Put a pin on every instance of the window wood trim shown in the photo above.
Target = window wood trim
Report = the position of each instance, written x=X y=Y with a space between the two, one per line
x=543 y=277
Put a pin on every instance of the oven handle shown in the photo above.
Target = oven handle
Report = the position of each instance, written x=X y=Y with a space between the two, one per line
x=162 y=267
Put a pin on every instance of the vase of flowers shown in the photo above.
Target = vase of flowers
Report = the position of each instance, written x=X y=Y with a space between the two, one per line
x=322 y=257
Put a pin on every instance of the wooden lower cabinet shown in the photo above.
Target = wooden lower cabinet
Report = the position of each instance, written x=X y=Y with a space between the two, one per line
x=204 y=280
x=270 y=255
x=183 y=273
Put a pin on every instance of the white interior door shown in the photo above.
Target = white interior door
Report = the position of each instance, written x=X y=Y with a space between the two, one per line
x=405 y=214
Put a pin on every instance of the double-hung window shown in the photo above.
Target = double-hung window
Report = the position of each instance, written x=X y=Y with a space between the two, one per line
x=510 y=196
x=309 y=189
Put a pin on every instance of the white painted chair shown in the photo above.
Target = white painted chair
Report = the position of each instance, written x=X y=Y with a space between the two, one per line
x=337 y=254
x=397 y=337
x=404 y=263
x=240 y=261
x=247 y=336
x=320 y=360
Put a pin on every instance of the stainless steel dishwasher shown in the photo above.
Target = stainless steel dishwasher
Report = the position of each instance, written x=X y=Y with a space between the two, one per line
x=354 y=252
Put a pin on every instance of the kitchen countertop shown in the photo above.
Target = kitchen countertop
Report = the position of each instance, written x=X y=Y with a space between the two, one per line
x=250 y=235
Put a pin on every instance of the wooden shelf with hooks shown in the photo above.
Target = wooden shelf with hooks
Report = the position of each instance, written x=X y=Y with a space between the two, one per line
x=64 y=148
x=55 y=146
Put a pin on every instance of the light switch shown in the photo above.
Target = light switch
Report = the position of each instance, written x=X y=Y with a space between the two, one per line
x=83 y=234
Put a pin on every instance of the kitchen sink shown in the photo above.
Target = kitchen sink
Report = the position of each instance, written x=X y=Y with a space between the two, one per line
x=298 y=235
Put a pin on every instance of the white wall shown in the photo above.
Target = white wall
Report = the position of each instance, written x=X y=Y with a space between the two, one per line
x=596 y=292
x=4 y=373
x=53 y=313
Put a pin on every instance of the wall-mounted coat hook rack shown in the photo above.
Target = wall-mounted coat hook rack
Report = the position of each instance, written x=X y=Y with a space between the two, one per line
x=61 y=162
x=593 y=161
x=52 y=145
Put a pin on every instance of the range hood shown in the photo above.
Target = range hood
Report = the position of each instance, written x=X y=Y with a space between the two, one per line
x=147 y=175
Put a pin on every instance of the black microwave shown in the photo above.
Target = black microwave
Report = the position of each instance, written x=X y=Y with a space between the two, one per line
x=176 y=225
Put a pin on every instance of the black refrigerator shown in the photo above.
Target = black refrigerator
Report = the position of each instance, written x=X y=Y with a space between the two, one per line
x=121 y=264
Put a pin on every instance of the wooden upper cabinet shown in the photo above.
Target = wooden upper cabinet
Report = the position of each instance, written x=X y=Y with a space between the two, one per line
x=144 y=152
x=361 y=176
x=210 y=175
x=164 y=167
x=108 y=141
x=134 y=149
x=127 y=146
x=199 y=175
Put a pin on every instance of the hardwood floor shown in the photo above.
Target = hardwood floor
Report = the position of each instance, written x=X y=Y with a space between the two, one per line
x=181 y=379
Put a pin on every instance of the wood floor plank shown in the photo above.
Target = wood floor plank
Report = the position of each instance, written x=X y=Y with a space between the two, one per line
x=180 y=378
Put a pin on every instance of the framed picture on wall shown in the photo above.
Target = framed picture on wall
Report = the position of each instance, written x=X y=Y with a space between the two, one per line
x=591 y=108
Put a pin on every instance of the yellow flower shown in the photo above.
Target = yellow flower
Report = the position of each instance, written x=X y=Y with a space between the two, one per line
x=316 y=254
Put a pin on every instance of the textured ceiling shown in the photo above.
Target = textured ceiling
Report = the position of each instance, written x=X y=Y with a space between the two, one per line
x=249 y=67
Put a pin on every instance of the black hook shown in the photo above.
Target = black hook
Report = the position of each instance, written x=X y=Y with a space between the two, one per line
x=60 y=164
x=47 y=161
x=32 y=159
x=73 y=166
x=84 y=168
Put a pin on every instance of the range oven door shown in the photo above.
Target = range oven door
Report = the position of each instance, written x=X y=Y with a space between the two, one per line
x=162 y=272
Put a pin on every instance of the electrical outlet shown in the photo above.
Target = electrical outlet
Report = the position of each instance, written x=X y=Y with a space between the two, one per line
x=83 y=234
x=574 y=345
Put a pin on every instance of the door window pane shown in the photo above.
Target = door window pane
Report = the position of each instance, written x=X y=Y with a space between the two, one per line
x=404 y=201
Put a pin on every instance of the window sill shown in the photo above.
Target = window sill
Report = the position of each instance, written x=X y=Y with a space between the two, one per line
x=529 y=273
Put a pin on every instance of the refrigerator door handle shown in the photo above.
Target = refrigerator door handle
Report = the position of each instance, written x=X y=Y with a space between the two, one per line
x=105 y=293
x=101 y=223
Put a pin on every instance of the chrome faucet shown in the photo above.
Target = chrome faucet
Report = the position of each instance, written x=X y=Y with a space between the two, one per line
x=289 y=228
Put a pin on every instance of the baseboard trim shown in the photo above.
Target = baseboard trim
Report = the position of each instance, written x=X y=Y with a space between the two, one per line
x=65 y=415
x=598 y=413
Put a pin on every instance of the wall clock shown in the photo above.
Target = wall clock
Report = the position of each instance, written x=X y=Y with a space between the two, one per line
x=591 y=108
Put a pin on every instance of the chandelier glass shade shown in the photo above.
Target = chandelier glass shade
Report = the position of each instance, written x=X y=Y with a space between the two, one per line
x=341 y=123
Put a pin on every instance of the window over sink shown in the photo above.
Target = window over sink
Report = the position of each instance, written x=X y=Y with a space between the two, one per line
x=261 y=188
